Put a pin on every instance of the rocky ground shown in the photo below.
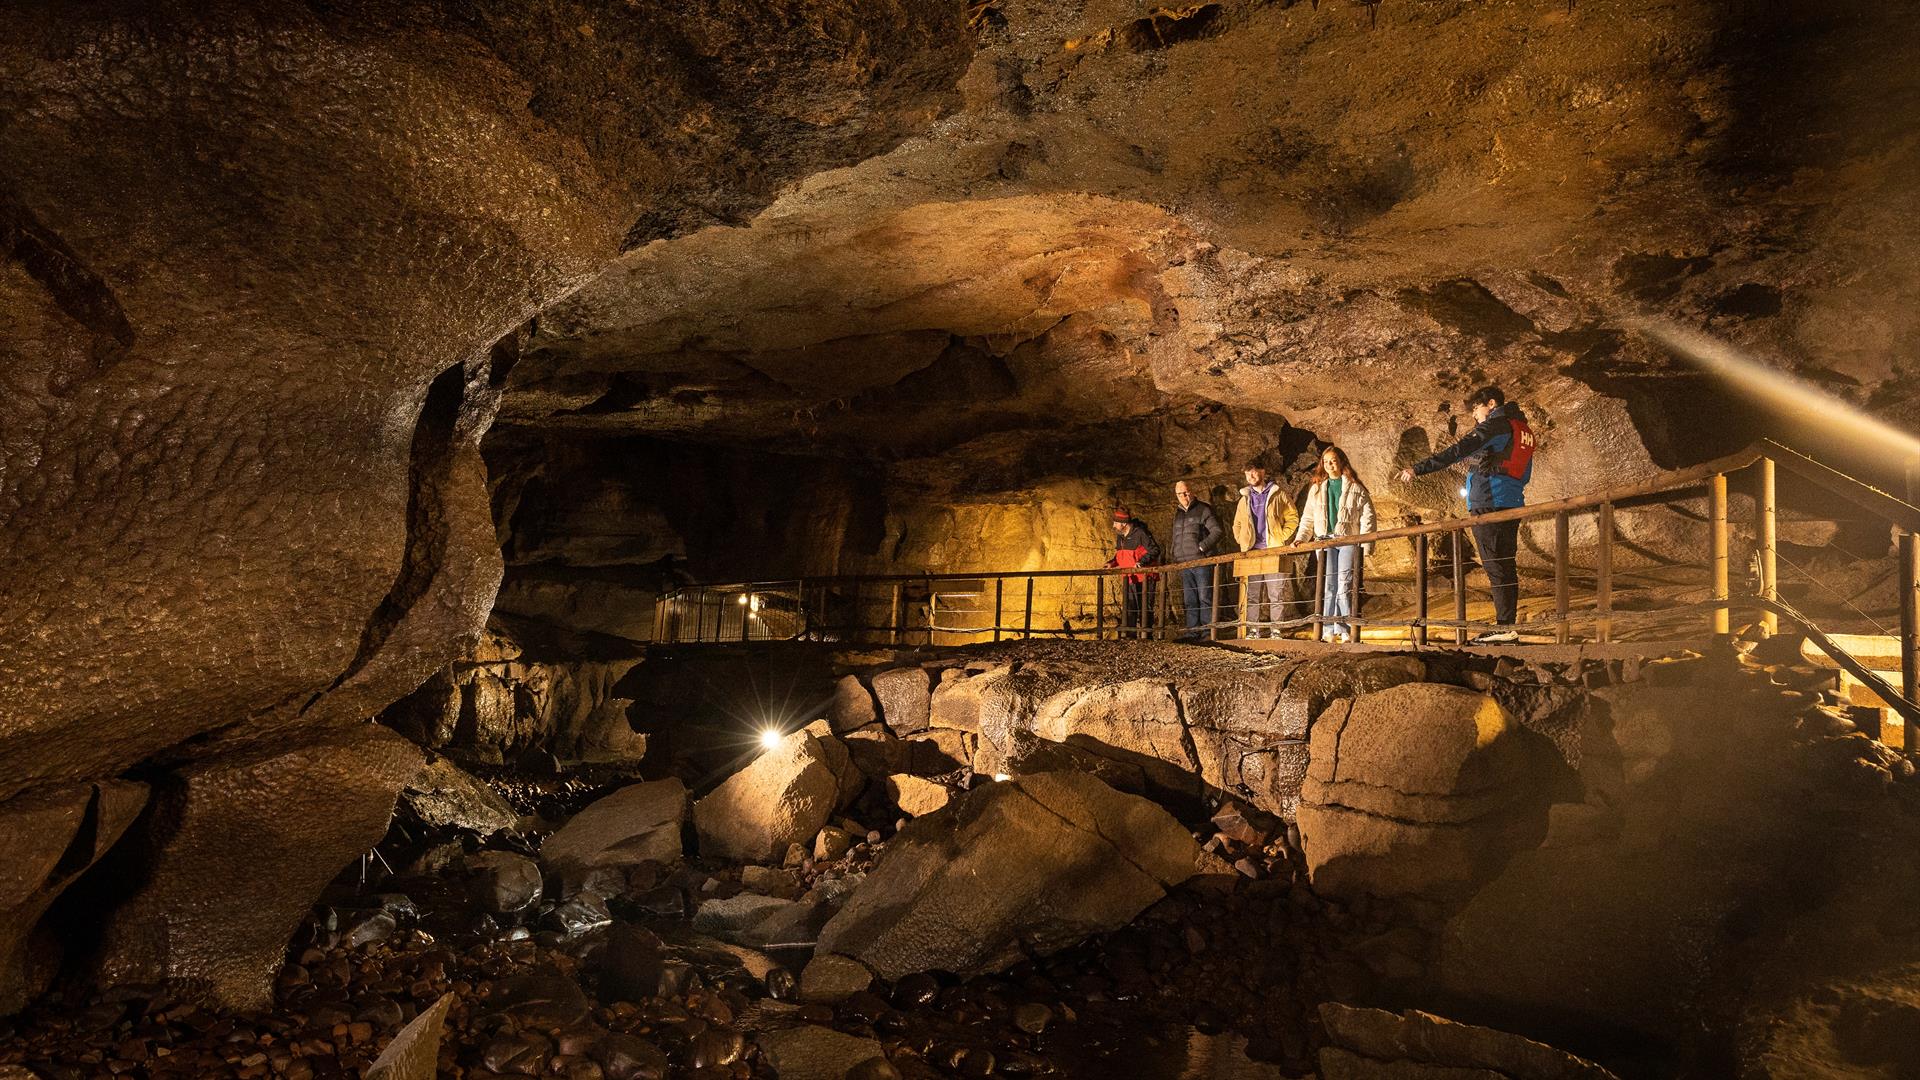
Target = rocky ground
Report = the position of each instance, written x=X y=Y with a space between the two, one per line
x=624 y=986
x=813 y=914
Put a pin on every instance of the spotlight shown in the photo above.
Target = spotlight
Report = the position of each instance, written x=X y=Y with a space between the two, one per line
x=770 y=737
x=743 y=600
x=1463 y=493
x=1002 y=777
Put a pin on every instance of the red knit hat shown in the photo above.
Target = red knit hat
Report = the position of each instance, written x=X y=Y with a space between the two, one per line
x=1121 y=513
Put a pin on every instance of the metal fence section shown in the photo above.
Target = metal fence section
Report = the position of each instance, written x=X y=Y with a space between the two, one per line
x=1154 y=602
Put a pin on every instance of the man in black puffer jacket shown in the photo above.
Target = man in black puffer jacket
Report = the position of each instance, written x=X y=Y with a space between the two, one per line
x=1196 y=534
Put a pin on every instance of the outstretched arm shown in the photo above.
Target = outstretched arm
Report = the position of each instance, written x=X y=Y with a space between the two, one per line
x=1481 y=437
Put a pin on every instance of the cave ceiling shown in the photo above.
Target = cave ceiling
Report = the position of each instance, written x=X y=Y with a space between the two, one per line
x=1329 y=215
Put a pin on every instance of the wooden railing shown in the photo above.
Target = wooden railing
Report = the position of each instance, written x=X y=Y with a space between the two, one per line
x=1140 y=602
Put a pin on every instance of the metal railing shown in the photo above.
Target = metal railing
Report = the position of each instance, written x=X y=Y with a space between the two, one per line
x=1150 y=602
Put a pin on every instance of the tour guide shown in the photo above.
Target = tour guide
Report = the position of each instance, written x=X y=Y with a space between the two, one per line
x=1499 y=451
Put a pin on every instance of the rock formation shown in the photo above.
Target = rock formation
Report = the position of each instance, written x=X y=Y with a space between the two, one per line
x=273 y=827
x=1028 y=866
x=1314 y=222
x=264 y=269
x=1419 y=789
x=783 y=797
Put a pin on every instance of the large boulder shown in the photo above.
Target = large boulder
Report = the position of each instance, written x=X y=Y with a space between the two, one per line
x=49 y=837
x=634 y=824
x=1031 y=865
x=782 y=797
x=851 y=706
x=1419 y=789
x=1371 y=1044
x=905 y=696
x=235 y=852
x=444 y=794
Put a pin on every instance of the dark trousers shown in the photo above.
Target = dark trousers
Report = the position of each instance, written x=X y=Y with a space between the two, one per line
x=1136 y=606
x=1497 y=544
x=1196 y=597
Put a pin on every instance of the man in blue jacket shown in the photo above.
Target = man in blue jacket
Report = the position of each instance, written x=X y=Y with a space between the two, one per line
x=1499 y=456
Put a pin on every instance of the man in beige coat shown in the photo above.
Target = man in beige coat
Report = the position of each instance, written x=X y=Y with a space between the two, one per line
x=1265 y=518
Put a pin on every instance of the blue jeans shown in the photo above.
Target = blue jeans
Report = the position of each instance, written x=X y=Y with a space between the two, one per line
x=1336 y=589
x=1196 y=597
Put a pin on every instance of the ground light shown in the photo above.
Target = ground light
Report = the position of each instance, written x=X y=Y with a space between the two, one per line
x=770 y=737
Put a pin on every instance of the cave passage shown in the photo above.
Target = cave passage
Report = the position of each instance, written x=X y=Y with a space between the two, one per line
x=607 y=539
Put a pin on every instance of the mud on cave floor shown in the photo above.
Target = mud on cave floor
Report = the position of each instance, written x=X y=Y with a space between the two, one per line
x=1224 y=976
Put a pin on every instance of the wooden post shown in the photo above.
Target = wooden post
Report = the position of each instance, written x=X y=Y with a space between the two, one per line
x=1562 y=590
x=1099 y=606
x=1353 y=595
x=1420 y=590
x=1319 y=596
x=999 y=596
x=1026 y=624
x=1769 y=542
x=893 y=636
x=1213 y=601
x=1243 y=606
x=1603 y=576
x=1717 y=517
x=1459 y=588
x=1910 y=621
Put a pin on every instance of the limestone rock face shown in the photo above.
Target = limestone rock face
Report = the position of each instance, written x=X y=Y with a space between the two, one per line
x=636 y=823
x=1034 y=864
x=1260 y=262
x=1419 y=789
x=783 y=796
x=49 y=838
x=272 y=827
x=266 y=364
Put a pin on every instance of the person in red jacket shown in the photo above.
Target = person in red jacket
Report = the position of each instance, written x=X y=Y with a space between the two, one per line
x=1133 y=545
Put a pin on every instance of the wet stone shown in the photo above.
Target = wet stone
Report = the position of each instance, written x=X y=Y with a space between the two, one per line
x=1032 y=1018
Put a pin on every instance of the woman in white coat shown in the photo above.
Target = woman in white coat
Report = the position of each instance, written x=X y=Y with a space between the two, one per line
x=1338 y=504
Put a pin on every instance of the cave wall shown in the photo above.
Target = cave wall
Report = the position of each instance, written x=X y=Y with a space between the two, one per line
x=1322 y=218
x=256 y=259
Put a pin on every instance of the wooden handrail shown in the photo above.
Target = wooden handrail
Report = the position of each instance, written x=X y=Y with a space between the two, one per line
x=1862 y=494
